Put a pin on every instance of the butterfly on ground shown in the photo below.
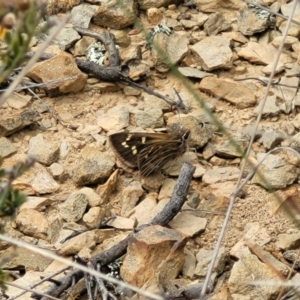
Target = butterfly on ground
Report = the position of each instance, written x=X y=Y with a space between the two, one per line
x=148 y=152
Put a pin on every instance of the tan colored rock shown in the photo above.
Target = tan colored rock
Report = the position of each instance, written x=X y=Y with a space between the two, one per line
x=104 y=191
x=74 y=207
x=34 y=181
x=32 y=223
x=173 y=46
x=6 y=147
x=45 y=151
x=154 y=248
x=253 y=232
x=15 y=257
x=29 y=279
x=15 y=122
x=221 y=175
x=131 y=195
x=146 y=4
x=85 y=240
x=61 y=66
x=188 y=224
x=94 y=217
x=59 y=6
x=233 y=92
x=18 y=101
x=262 y=54
x=213 y=6
x=239 y=277
x=219 y=54
x=154 y=15
x=115 y=15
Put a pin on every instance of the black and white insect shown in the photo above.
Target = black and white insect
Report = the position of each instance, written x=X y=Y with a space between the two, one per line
x=157 y=29
x=263 y=14
x=96 y=53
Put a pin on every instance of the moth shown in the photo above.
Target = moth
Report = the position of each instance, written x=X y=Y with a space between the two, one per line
x=148 y=152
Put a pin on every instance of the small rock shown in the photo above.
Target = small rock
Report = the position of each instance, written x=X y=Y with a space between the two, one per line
x=95 y=167
x=167 y=256
x=154 y=15
x=149 y=118
x=82 y=14
x=188 y=24
x=167 y=188
x=219 y=55
x=262 y=54
x=271 y=139
x=45 y=152
x=6 y=147
x=36 y=203
x=278 y=173
x=146 y=4
x=32 y=223
x=121 y=223
x=250 y=23
x=288 y=43
x=16 y=257
x=74 y=207
x=116 y=119
x=270 y=107
x=65 y=39
x=188 y=224
x=189 y=266
x=87 y=239
x=94 y=217
x=233 y=92
x=111 y=15
x=219 y=5
x=221 y=175
x=235 y=36
x=15 y=122
x=287 y=94
x=173 y=46
x=105 y=190
x=203 y=258
x=131 y=195
x=216 y=23
x=294 y=29
x=35 y=181
x=254 y=233
x=61 y=66
x=234 y=147
x=54 y=6
x=193 y=72
x=240 y=276
x=292 y=256
x=93 y=198
x=193 y=200
x=28 y=279
x=288 y=241
x=18 y=101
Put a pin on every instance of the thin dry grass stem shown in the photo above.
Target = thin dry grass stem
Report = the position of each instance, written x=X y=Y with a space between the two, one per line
x=29 y=290
x=78 y=266
x=238 y=187
x=34 y=59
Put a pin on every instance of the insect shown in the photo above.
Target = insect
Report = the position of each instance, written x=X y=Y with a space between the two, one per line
x=148 y=152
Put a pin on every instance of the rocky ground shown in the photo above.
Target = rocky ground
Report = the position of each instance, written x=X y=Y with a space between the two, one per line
x=225 y=52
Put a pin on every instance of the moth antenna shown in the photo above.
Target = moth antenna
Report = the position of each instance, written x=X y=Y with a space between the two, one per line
x=180 y=105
